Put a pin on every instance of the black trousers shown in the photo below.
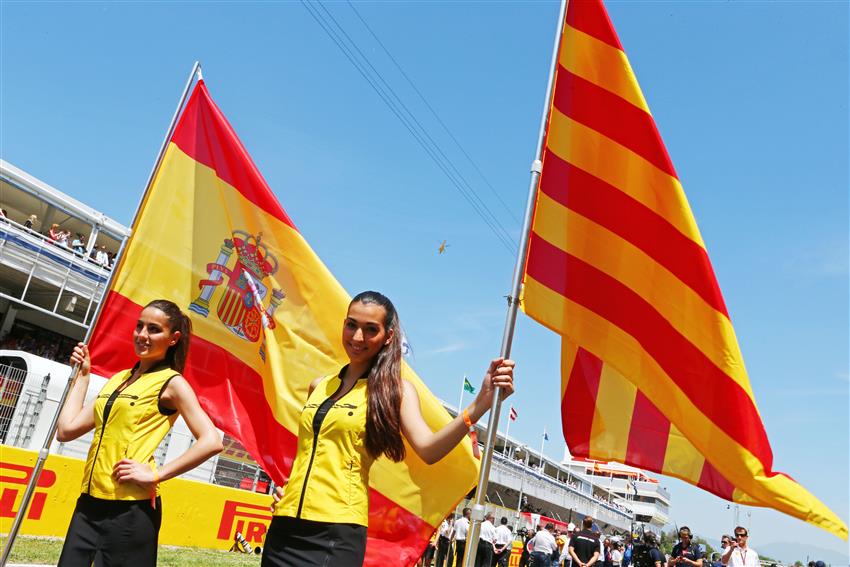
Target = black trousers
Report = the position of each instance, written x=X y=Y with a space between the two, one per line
x=484 y=557
x=304 y=543
x=442 y=551
x=460 y=547
x=501 y=559
x=112 y=532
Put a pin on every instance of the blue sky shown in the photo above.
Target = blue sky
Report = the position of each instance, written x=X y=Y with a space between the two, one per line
x=750 y=98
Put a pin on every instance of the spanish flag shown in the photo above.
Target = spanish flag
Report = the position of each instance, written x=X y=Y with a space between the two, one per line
x=652 y=375
x=267 y=318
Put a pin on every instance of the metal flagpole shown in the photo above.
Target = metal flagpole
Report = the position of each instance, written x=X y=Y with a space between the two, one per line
x=51 y=433
x=542 y=442
x=513 y=303
x=507 y=431
x=460 y=402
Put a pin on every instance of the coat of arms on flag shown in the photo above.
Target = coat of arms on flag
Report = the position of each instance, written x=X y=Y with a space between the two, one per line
x=240 y=307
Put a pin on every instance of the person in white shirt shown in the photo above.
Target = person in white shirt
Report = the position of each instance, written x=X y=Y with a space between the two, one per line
x=543 y=545
x=502 y=543
x=739 y=554
x=484 y=557
x=444 y=537
x=616 y=555
x=459 y=536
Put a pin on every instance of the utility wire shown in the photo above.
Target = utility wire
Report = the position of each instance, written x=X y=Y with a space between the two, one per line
x=434 y=113
x=420 y=135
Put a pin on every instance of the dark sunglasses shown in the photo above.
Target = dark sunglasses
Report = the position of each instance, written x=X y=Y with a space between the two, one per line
x=741 y=535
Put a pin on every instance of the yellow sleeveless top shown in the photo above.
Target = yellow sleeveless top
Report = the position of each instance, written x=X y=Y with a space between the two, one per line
x=329 y=481
x=133 y=428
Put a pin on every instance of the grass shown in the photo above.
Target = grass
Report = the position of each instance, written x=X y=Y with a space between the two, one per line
x=46 y=550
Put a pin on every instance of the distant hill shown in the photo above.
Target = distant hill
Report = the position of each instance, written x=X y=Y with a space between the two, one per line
x=790 y=552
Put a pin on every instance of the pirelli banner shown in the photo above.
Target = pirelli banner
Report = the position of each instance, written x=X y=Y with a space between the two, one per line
x=215 y=513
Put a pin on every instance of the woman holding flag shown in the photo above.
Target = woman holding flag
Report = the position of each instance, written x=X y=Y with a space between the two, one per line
x=118 y=515
x=349 y=420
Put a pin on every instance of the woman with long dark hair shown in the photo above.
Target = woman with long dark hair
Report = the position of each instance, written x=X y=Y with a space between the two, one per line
x=350 y=419
x=118 y=515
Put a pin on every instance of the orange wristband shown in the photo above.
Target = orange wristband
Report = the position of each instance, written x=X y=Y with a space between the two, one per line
x=473 y=435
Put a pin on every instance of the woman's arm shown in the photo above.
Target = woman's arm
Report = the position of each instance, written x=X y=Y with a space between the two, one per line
x=77 y=418
x=180 y=396
x=430 y=446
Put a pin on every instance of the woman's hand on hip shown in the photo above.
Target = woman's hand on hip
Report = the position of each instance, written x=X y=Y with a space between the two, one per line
x=276 y=495
x=128 y=470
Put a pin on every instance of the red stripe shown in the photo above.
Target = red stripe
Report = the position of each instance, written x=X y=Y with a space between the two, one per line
x=591 y=17
x=205 y=135
x=232 y=395
x=631 y=220
x=648 y=436
x=725 y=403
x=579 y=402
x=711 y=480
x=611 y=116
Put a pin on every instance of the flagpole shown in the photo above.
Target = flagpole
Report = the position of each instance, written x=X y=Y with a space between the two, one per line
x=507 y=431
x=462 y=388
x=542 y=442
x=51 y=432
x=513 y=303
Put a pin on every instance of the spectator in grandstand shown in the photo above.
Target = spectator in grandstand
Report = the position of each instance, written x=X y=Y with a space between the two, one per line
x=62 y=240
x=102 y=256
x=79 y=244
x=324 y=521
x=685 y=553
x=739 y=553
x=117 y=518
x=53 y=233
x=31 y=220
x=3 y=214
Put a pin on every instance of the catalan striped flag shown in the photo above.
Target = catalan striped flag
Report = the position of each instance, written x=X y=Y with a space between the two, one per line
x=267 y=317
x=652 y=374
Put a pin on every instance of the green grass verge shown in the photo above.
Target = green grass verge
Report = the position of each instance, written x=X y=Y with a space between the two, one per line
x=45 y=551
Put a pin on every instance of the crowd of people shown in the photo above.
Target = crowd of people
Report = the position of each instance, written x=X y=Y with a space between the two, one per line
x=38 y=342
x=581 y=546
x=63 y=238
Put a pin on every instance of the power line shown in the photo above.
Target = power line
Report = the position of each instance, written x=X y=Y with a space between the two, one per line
x=434 y=113
x=421 y=135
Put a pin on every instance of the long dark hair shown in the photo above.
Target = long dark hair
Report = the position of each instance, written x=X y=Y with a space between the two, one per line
x=383 y=409
x=177 y=321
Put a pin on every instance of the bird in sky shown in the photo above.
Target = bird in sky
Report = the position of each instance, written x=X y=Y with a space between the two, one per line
x=442 y=247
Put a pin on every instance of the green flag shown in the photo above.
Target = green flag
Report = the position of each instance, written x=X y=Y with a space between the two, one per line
x=467 y=386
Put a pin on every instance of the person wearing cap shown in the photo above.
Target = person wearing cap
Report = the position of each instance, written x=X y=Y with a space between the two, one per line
x=739 y=553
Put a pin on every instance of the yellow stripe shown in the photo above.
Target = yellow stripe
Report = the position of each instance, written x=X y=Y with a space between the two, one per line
x=568 y=358
x=622 y=168
x=187 y=216
x=733 y=461
x=602 y=64
x=682 y=459
x=612 y=418
x=706 y=328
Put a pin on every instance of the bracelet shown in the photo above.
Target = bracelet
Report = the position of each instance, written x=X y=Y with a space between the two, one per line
x=473 y=435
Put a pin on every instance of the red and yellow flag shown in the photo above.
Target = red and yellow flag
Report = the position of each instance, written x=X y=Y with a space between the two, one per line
x=267 y=318
x=652 y=374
